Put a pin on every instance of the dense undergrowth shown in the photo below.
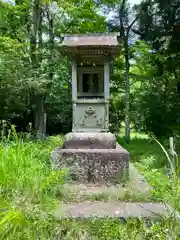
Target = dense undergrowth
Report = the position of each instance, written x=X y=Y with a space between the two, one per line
x=30 y=191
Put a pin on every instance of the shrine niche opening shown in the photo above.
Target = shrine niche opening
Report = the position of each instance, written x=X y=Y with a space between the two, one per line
x=90 y=83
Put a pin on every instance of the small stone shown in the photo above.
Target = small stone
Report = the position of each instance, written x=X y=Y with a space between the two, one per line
x=122 y=220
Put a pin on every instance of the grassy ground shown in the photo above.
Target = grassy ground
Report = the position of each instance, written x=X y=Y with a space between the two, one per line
x=30 y=191
x=152 y=162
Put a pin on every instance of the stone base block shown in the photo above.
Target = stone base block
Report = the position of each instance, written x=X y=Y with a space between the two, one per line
x=90 y=141
x=120 y=210
x=94 y=165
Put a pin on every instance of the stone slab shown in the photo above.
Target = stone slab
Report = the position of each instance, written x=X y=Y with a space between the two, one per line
x=90 y=141
x=136 y=186
x=93 y=165
x=114 y=210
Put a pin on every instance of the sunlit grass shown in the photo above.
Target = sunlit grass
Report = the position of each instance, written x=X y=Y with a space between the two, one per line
x=28 y=185
x=152 y=162
x=30 y=191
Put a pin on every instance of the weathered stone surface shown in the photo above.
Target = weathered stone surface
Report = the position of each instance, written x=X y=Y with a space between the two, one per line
x=90 y=141
x=91 y=45
x=94 y=165
x=113 y=210
x=136 y=186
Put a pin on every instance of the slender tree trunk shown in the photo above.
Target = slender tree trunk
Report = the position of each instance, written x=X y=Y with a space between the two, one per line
x=40 y=117
x=127 y=91
x=36 y=59
x=51 y=38
x=51 y=43
x=41 y=129
x=125 y=35
x=177 y=82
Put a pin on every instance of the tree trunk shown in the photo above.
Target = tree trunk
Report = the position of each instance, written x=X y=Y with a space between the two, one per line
x=127 y=91
x=51 y=43
x=33 y=32
x=41 y=130
x=40 y=117
x=36 y=59
x=125 y=35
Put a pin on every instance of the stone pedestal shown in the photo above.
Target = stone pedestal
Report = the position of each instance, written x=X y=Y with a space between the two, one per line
x=93 y=157
x=90 y=141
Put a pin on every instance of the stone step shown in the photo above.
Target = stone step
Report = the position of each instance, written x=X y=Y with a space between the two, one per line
x=136 y=186
x=83 y=192
x=114 y=210
x=87 y=140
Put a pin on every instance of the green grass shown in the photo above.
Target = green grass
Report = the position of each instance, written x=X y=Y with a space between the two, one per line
x=28 y=185
x=152 y=162
x=30 y=191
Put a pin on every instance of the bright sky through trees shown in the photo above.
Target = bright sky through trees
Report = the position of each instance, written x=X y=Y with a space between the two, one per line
x=135 y=1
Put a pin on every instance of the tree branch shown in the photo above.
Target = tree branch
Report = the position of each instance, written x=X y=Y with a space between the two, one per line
x=132 y=23
x=121 y=10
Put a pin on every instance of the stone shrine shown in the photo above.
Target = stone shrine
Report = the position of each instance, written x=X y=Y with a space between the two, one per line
x=90 y=147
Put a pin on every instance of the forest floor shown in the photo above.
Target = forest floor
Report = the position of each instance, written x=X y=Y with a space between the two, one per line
x=30 y=192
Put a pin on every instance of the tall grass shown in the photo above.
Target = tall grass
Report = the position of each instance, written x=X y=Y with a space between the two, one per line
x=24 y=167
x=154 y=161
x=29 y=194
x=27 y=182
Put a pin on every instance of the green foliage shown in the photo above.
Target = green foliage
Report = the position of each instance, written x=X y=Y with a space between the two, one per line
x=154 y=66
x=154 y=63
x=31 y=65
x=29 y=195
x=153 y=163
x=27 y=185
x=20 y=160
x=157 y=103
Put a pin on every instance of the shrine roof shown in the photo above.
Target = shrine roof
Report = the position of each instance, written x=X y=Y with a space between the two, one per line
x=91 y=40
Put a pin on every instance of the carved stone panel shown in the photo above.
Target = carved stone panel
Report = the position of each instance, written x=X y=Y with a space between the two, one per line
x=89 y=117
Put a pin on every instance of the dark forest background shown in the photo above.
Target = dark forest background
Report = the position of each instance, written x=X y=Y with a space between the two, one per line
x=35 y=80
